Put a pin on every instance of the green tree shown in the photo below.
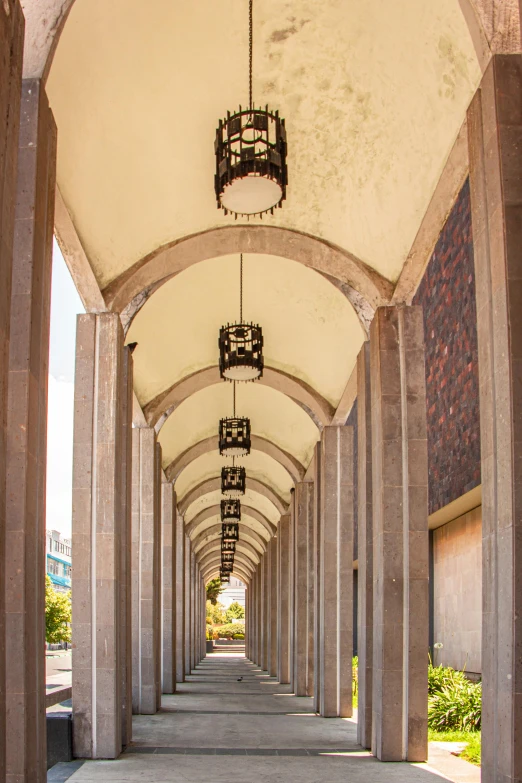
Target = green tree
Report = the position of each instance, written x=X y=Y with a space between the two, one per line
x=214 y=590
x=215 y=613
x=57 y=614
x=235 y=612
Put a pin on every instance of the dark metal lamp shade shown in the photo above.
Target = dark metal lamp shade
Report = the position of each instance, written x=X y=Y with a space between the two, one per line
x=234 y=437
x=224 y=576
x=228 y=546
x=230 y=531
x=251 y=170
x=230 y=510
x=227 y=557
x=241 y=352
x=233 y=481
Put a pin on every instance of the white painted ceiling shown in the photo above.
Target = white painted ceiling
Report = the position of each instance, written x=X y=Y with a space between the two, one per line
x=373 y=95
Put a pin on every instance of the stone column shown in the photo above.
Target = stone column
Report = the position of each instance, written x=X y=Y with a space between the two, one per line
x=365 y=550
x=188 y=555
x=265 y=601
x=192 y=610
x=100 y=518
x=273 y=607
x=495 y=131
x=11 y=51
x=27 y=371
x=146 y=538
x=284 y=541
x=336 y=579
x=400 y=535
x=168 y=532
x=158 y=584
x=317 y=573
x=257 y=577
x=303 y=584
x=179 y=552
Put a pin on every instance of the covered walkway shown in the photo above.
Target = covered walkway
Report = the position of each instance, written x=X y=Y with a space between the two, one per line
x=229 y=707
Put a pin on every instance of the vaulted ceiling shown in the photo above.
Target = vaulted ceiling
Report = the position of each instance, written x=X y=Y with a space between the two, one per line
x=373 y=95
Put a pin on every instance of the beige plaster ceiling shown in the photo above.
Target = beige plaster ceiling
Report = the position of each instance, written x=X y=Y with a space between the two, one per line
x=305 y=320
x=253 y=499
x=137 y=89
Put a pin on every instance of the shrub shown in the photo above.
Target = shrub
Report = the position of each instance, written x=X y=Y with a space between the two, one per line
x=238 y=636
x=228 y=631
x=453 y=701
x=57 y=614
x=355 y=674
x=234 y=612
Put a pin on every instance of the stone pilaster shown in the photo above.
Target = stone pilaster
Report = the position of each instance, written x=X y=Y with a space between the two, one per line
x=336 y=569
x=317 y=572
x=400 y=534
x=168 y=533
x=158 y=582
x=11 y=52
x=495 y=133
x=273 y=607
x=146 y=541
x=179 y=552
x=303 y=584
x=99 y=525
x=365 y=550
x=193 y=610
x=284 y=555
x=125 y=641
x=28 y=359
x=265 y=602
x=188 y=555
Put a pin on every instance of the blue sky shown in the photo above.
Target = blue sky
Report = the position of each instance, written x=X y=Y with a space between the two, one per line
x=65 y=305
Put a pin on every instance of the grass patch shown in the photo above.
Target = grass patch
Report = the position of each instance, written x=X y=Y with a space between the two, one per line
x=470 y=753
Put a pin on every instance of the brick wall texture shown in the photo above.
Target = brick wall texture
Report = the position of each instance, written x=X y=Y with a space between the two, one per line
x=447 y=295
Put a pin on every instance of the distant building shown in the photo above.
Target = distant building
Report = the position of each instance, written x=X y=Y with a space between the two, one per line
x=234 y=592
x=58 y=560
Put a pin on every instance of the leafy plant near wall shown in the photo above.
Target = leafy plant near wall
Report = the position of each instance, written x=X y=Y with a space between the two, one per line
x=214 y=590
x=230 y=630
x=234 y=612
x=215 y=613
x=57 y=614
x=453 y=701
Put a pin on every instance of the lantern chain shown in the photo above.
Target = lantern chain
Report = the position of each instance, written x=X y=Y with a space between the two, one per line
x=241 y=288
x=250 y=53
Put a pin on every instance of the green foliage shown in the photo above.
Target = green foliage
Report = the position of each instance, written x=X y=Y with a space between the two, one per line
x=228 y=631
x=209 y=633
x=238 y=636
x=57 y=614
x=453 y=701
x=235 y=612
x=215 y=613
x=471 y=752
x=214 y=590
x=355 y=674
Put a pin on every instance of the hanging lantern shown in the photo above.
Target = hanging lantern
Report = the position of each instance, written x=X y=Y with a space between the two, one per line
x=228 y=546
x=233 y=481
x=230 y=510
x=241 y=352
x=227 y=557
x=224 y=576
x=234 y=437
x=230 y=531
x=250 y=148
x=227 y=567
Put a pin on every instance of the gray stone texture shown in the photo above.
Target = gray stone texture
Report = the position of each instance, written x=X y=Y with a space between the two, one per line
x=303 y=587
x=495 y=135
x=284 y=555
x=11 y=53
x=98 y=516
x=188 y=554
x=336 y=569
x=317 y=572
x=365 y=550
x=24 y=569
x=180 y=597
x=168 y=635
x=265 y=600
x=272 y=658
x=146 y=540
x=400 y=531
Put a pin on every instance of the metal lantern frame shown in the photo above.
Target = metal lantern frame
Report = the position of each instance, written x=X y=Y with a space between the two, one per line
x=227 y=557
x=227 y=567
x=228 y=546
x=235 y=436
x=241 y=347
x=250 y=143
x=233 y=481
x=230 y=531
x=224 y=575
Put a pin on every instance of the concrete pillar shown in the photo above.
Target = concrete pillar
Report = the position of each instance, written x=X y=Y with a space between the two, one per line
x=317 y=573
x=188 y=554
x=179 y=551
x=336 y=579
x=265 y=601
x=146 y=542
x=192 y=610
x=168 y=534
x=400 y=535
x=158 y=583
x=495 y=130
x=272 y=658
x=284 y=544
x=27 y=368
x=258 y=616
x=365 y=550
x=303 y=585
x=100 y=519
x=11 y=52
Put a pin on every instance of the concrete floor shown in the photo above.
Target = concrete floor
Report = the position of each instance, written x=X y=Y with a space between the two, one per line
x=275 y=733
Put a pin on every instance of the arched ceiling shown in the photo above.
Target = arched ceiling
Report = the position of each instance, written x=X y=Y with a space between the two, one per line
x=137 y=90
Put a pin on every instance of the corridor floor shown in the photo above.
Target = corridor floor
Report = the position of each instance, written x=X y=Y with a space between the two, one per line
x=217 y=728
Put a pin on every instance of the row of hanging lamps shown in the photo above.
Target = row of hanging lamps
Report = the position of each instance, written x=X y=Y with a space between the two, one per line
x=250 y=148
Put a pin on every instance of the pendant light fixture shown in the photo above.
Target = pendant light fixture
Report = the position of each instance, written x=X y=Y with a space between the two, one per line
x=233 y=481
x=234 y=434
x=230 y=532
x=230 y=510
x=241 y=345
x=228 y=546
x=224 y=576
x=250 y=147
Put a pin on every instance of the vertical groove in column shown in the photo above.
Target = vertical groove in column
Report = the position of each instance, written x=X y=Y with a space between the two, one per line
x=168 y=530
x=266 y=607
x=179 y=553
x=303 y=577
x=188 y=550
x=284 y=556
x=273 y=606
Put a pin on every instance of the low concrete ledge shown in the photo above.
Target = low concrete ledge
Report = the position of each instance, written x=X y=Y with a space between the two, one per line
x=56 y=697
